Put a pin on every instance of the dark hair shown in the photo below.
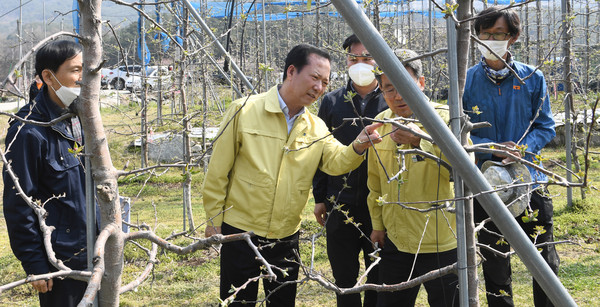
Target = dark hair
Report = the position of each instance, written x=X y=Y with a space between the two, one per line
x=488 y=17
x=54 y=54
x=298 y=57
x=404 y=54
x=351 y=40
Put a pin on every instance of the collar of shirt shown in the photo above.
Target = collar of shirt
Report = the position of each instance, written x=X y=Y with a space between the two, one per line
x=53 y=109
x=367 y=96
x=286 y=113
x=497 y=75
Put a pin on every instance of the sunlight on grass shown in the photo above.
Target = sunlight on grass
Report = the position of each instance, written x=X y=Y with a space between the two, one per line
x=193 y=280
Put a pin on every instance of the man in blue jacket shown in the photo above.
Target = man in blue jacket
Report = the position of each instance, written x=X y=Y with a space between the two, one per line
x=520 y=118
x=344 y=240
x=49 y=174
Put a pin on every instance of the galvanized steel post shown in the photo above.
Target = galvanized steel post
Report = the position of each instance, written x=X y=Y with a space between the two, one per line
x=455 y=114
x=208 y=31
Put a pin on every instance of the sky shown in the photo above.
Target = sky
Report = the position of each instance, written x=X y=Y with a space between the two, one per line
x=33 y=11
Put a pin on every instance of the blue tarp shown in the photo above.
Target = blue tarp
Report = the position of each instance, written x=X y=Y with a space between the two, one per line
x=313 y=3
x=290 y=15
x=220 y=9
x=146 y=59
x=399 y=13
x=504 y=2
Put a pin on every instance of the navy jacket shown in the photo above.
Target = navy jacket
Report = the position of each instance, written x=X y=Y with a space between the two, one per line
x=40 y=158
x=334 y=108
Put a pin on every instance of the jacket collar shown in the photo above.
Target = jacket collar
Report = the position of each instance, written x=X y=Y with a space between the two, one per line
x=272 y=105
x=517 y=66
x=272 y=100
x=349 y=87
x=44 y=109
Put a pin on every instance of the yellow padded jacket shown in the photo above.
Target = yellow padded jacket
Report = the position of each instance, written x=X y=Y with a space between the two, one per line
x=423 y=180
x=259 y=177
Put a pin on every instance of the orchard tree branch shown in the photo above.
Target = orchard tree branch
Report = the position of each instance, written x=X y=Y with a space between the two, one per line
x=512 y=71
x=40 y=213
x=147 y=270
x=38 y=123
x=110 y=230
x=381 y=288
x=74 y=274
x=10 y=77
x=509 y=253
x=183 y=250
x=140 y=11
x=489 y=148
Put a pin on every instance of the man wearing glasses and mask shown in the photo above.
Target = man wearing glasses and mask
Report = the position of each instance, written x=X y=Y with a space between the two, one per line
x=344 y=240
x=520 y=118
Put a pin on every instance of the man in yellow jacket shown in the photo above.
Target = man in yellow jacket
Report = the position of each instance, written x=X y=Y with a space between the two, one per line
x=261 y=171
x=415 y=238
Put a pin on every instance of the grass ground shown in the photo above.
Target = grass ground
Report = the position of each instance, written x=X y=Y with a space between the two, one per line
x=193 y=279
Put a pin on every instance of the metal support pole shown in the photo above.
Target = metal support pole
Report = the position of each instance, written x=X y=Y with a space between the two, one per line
x=455 y=124
x=20 y=83
x=430 y=43
x=212 y=60
x=565 y=9
x=453 y=150
x=264 y=28
x=90 y=215
x=206 y=29
x=144 y=102
x=44 y=17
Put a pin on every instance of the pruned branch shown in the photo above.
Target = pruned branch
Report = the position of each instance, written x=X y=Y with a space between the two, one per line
x=74 y=274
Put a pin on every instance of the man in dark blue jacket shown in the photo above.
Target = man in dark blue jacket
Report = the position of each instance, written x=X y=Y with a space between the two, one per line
x=50 y=175
x=520 y=117
x=345 y=240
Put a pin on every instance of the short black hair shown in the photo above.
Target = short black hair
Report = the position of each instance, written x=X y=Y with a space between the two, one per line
x=488 y=17
x=351 y=40
x=54 y=54
x=298 y=57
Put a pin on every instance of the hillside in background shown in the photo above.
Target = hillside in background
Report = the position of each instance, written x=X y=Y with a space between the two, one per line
x=58 y=17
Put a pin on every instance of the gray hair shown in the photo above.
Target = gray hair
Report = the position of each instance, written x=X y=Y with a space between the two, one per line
x=406 y=54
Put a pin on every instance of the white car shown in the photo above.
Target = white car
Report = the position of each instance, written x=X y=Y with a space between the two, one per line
x=117 y=77
x=134 y=83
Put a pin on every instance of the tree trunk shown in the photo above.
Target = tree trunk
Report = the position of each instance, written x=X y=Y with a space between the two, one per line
x=187 y=147
x=463 y=37
x=103 y=171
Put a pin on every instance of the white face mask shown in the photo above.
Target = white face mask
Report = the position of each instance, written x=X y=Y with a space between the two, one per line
x=361 y=74
x=66 y=94
x=500 y=47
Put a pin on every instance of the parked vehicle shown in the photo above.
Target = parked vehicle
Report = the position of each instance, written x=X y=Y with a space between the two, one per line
x=118 y=76
x=134 y=82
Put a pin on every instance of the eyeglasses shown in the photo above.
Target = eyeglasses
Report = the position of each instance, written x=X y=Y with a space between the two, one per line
x=500 y=36
x=390 y=92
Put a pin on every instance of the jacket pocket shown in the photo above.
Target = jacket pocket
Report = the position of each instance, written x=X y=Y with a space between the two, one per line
x=63 y=163
x=251 y=196
x=297 y=202
x=426 y=181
